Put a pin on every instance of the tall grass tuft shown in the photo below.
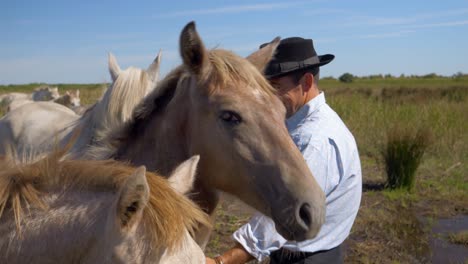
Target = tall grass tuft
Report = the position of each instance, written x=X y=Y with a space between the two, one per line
x=403 y=153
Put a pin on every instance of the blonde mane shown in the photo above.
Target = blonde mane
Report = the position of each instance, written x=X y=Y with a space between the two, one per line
x=225 y=68
x=118 y=102
x=121 y=101
x=165 y=219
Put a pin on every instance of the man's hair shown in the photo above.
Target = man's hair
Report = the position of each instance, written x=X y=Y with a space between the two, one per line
x=296 y=76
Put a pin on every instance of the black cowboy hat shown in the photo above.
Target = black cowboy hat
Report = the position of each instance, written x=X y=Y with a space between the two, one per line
x=293 y=54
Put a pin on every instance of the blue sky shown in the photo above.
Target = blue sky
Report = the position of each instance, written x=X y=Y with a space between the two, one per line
x=68 y=41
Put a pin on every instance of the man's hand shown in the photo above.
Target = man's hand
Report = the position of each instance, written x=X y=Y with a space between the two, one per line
x=210 y=261
x=236 y=255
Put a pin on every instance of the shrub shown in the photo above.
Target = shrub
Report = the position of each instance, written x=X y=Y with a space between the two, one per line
x=402 y=154
x=346 y=78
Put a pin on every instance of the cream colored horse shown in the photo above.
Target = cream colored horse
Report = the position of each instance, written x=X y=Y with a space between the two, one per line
x=219 y=106
x=54 y=211
x=39 y=126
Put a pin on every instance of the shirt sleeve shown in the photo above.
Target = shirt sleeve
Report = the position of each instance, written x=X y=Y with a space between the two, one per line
x=259 y=237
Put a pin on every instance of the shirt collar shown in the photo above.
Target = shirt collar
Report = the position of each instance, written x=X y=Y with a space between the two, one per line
x=306 y=110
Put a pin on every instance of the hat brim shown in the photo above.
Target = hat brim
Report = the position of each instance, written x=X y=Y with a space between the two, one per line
x=324 y=59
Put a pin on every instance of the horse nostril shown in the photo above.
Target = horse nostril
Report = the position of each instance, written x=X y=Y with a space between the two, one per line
x=304 y=214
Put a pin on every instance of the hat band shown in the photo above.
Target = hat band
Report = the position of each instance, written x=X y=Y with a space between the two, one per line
x=293 y=65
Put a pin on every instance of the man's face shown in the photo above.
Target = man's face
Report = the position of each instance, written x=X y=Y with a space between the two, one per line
x=290 y=94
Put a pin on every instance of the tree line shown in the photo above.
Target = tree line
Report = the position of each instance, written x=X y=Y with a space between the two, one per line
x=348 y=77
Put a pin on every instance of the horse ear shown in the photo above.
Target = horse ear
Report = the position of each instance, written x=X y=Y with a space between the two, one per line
x=192 y=49
x=77 y=93
x=114 y=68
x=183 y=176
x=67 y=92
x=261 y=57
x=134 y=197
x=153 y=69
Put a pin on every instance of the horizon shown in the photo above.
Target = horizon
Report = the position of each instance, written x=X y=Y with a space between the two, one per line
x=373 y=76
x=57 y=42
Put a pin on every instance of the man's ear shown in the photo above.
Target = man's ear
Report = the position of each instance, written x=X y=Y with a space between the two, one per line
x=307 y=81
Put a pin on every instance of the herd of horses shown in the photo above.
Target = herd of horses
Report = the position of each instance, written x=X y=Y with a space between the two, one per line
x=80 y=188
x=70 y=99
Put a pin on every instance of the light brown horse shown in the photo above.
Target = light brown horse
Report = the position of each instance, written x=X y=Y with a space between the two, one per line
x=219 y=106
x=54 y=211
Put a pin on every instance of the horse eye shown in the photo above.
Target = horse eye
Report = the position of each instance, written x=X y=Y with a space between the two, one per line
x=230 y=117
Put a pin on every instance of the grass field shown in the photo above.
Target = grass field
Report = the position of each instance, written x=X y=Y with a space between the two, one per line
x=392 y=226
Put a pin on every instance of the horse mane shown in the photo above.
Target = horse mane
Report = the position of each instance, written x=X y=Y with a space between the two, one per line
x=118 y=102
x=225 y=68
x=166 y=217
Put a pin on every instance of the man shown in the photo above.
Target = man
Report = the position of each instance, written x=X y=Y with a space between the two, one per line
x=330 y=151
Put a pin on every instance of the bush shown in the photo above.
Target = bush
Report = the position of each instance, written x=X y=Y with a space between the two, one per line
x=402 y=154
x=346 y=78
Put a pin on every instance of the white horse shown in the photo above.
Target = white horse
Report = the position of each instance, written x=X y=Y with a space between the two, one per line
x=39 y=126
x=54 y=211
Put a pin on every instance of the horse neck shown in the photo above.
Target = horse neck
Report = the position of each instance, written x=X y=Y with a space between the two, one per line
x=95 y=122
x=164 y=144
x=161 y=146
x=87 y=131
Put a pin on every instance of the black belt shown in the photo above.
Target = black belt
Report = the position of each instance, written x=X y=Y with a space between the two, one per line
x=287 y=256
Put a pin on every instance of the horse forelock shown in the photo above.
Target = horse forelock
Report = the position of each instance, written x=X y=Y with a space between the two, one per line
x=228 y=70
x=165 y=218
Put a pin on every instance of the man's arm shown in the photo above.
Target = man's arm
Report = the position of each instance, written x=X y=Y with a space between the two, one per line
x=236 y=255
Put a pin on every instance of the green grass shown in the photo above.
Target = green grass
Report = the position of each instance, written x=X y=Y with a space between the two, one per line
x=402 y=153
x=459 y=238
x=395 y=83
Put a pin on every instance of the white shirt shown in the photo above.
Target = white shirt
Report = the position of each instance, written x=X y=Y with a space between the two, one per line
x=330 y=151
